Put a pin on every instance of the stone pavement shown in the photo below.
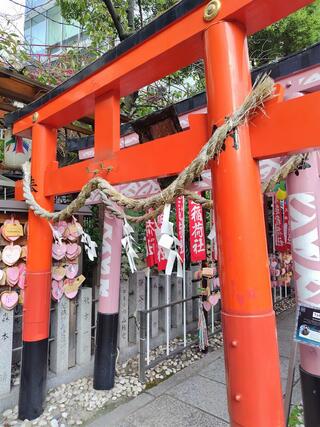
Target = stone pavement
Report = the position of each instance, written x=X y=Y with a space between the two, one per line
x=195 y=396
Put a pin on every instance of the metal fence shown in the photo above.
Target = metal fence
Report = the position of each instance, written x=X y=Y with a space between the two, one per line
x=153 y=311
x=145 y=332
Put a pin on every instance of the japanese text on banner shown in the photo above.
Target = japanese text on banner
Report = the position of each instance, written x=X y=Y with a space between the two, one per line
x=196 y=230
x=151 y=243
x=278 y=228
x=287 y=231
x=162 y=262
x=180 y=225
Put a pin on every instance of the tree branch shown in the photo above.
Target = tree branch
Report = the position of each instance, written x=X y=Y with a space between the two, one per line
x=115 y=18
x=130 y=14
x=141 y=14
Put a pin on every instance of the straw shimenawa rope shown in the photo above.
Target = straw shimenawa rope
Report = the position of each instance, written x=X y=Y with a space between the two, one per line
x=281 y=174
x=262 y=90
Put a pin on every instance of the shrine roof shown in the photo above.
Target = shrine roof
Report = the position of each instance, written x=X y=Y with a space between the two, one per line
x=174 y=13
x=291 y=64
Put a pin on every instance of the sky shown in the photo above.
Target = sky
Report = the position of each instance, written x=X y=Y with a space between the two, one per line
x=14 y=13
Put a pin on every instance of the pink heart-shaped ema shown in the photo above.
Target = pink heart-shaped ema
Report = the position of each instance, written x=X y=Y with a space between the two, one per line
x=70 y=294
x=11 y=254
x=59 y=251
x=66 y=233
x=22 y=280
x=206 y=305
x=9 y=299
x=216 y=282
x=58 y=273
x=274 y=264
x=72 y=270
x=22 y=275
x=73 y=250
x=75 y=230
x=60 y=227
x=22 y=267
x=12 y=275
x=214 y=299
x=57 y=290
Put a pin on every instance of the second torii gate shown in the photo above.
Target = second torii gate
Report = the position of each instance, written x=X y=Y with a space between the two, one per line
x=189 y=31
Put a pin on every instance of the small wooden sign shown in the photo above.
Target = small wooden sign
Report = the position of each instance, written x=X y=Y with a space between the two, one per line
x=75 y=285
x=13 y=230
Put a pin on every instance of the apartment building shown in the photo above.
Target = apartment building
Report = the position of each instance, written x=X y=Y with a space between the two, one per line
x=46 y=32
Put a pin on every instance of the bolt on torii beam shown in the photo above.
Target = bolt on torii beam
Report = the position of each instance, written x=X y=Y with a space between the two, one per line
x=177 y=38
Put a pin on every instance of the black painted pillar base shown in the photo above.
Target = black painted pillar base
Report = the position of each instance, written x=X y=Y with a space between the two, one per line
x=33 y=379
x=310 y=388
x=106 y=351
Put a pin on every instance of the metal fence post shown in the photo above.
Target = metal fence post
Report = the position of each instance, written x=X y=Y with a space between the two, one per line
x=142 y=345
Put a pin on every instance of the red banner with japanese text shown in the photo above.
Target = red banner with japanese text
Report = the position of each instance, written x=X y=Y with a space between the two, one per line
x=151 y=243
x=286 y=226
x=196 y=231
x=162 y=262
x=278 y=228
x=180 y=225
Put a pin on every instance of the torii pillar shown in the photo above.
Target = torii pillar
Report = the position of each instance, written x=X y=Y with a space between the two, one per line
x=250 y=342
x=304 y=210
x=36 y=307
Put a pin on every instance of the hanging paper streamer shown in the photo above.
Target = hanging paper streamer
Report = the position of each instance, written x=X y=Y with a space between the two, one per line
x=127 y=242
x=278 y=228
x=202 y=329
x=180 y=225
x=57 y=236
x=213 y=237
x=89 y=245
x=151 y=243
x=169 y=243
x=196 y=230
x=162 y=262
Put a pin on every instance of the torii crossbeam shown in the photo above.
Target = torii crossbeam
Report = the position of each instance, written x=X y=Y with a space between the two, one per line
x=174 y=40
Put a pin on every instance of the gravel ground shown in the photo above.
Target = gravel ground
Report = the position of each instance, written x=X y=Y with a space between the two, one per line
x=77 y=402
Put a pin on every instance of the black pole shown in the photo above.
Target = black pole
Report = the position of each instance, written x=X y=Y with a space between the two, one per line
x=105 y=351
x=33 y=379
x=310 y=388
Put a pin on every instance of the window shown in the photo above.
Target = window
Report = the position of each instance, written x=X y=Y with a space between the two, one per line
x=38 y=34
x=70 y=30
x=35 y=3
x=27 y=33
x=54 y=26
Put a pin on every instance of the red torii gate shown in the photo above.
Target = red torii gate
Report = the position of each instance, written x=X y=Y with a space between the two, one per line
x=174 y=40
